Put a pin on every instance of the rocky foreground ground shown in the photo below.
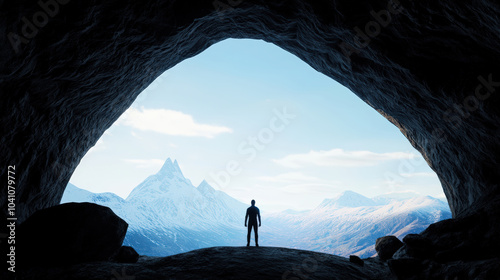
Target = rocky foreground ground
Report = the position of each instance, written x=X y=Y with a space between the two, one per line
x=223 y=263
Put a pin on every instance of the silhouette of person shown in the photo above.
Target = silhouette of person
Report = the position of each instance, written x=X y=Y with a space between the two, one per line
x=252 y=214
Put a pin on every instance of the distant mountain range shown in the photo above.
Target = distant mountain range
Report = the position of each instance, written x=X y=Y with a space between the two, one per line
x=168 y=215
x=351 y=223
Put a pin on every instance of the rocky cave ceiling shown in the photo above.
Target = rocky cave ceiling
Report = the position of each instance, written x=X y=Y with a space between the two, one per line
x=70 y=68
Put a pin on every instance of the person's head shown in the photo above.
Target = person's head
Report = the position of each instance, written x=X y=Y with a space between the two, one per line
x=253 y=202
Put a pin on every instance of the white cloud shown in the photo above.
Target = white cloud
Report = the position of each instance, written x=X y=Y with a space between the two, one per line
x=146 y=163
x=339 y=157
x=419 y=174
x=169 y=122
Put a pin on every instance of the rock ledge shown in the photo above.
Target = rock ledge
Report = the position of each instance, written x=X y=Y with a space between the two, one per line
x=223 y=263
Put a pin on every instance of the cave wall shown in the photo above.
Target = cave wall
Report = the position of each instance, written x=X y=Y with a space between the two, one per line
x=70 y=68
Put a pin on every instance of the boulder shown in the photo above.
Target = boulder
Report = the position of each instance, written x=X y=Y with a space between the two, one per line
x=357 y=260
x=416 y=246
x=406 y=268
x=127 y=254
x=386 y=246
x=402 y=253
x=70 y=233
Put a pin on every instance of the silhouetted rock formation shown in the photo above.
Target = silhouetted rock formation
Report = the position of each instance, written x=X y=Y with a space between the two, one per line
x=386 y=246
x=69 y=69
x=127 y=254
x=70 y=233
x=432 y=75
x=406 y=268
x=461 y=247
x=415 y=269
x=417 y=246
x=357 y=260
x=224 y=263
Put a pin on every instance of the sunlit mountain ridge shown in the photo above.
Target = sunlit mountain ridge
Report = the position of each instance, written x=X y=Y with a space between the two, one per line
x=167 y=215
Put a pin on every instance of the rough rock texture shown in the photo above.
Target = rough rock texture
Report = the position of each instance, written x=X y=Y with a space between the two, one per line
x=357 y=260
x=69 y=69
x=417 y=246
x=466 y=248
x=127 y=254
x=386 y=246
x=224 y=263
x=413 y=269
x=70 y=233
x=405 y=268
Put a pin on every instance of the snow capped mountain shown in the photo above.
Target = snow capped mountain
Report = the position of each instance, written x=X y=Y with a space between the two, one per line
x=343 y=226
x=168 y=215
x=75 y=194
x=171 y=169
x=205 y=188
x=347 y=199
x=172 y=198
x=168 y=179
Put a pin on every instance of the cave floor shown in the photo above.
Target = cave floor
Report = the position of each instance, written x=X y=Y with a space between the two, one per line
x=223 y=263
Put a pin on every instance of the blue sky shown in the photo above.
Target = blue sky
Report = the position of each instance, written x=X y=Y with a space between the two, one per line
x=258 y=123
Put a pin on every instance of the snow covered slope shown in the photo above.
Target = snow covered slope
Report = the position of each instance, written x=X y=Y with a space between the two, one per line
x=351 y=223
x=168 y=215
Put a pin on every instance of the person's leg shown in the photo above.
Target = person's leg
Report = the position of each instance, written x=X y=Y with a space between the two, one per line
x=248 y=235
x=256 y=228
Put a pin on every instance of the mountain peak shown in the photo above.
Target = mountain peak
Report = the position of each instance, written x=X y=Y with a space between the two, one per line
x=205 y=188
x=170 y=168
x=348 y=199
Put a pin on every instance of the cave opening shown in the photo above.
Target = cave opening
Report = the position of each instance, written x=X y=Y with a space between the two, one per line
x=256 y=122
x=68 y=78
x=412 y=93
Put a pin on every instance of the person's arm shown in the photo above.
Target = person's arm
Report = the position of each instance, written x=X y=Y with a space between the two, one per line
x=258 y=215
x=246 y=218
